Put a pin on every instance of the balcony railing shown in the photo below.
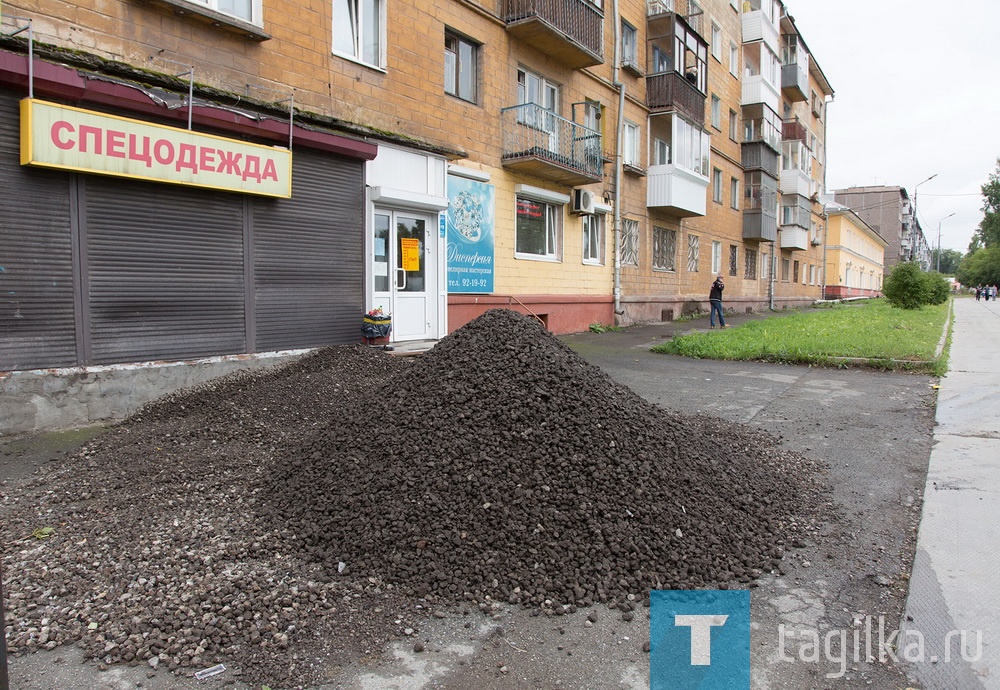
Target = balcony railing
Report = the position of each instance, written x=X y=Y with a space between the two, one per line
x=541 y=143
x=756 y=155
x=669 y=90
x=676 y=190
x=572 y=31
x=795 y=82
x=793 y=130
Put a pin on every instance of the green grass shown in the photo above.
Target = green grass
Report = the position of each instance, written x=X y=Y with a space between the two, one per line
x=871 y=333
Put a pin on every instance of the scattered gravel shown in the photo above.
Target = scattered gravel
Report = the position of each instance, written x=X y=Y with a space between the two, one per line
x=285 y=520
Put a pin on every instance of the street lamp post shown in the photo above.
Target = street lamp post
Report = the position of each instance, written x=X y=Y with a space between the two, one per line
x=915 y=187
x=938 y=269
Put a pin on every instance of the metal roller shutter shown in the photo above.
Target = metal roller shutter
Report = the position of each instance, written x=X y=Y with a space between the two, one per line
x=309 y=256
x=165 y=266
x=37 y=317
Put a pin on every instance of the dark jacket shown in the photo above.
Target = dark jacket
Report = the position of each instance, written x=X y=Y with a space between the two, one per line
x=716 y=294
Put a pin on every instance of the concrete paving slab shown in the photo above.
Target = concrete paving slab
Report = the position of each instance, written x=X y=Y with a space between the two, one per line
x=951 y=628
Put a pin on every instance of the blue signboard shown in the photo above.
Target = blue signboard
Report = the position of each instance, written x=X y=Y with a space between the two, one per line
x=470 y=222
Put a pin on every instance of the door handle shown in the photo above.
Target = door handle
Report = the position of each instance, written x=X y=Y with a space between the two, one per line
x=398 y=272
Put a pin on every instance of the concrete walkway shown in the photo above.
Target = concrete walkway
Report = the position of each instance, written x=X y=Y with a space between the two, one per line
x=955 y=585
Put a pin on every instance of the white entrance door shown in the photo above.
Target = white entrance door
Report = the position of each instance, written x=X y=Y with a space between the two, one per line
x=405 y=272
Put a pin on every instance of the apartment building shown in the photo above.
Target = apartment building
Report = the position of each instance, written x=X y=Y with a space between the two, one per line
x=891 y=212
x=214 y=179
x=855 y=255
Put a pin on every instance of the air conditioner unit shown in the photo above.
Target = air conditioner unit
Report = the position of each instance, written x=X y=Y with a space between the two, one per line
x=583 y=201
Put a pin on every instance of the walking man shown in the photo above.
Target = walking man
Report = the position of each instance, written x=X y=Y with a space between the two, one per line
x=715 y=302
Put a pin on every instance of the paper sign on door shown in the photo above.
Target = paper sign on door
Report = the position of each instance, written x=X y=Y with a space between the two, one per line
x=410 y=251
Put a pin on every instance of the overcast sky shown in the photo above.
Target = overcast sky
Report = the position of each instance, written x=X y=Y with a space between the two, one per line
x=917 y=93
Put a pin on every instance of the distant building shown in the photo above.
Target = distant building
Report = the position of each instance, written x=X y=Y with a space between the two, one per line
x=891 y=213
x=855 y=255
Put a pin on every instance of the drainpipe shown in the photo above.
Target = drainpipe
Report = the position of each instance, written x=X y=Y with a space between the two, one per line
x=619 y=129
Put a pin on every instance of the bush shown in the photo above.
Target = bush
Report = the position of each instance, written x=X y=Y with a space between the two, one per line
x=907 y=287
x=937 y=287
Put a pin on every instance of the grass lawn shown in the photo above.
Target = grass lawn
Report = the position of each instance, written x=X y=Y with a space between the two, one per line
x=868 y=333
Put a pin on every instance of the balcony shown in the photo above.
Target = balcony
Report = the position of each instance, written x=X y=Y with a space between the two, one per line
x=757 y=26
x=679 y=191
x=759 y=226
x=794 y=237
x=538 y=142
x=795 y=181
x=571 y=31
x=756 y=155
x=793 y=130
x=672 y=91
x=757 y=89
x=795 y=82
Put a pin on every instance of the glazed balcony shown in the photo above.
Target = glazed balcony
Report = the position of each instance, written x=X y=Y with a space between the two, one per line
x=571 y=31
x=760 y=208
x=673 y=91
x=796 y=181
x=759 y=226
x=681 y=192
x=539 y=142
x=794 y=237
x=759 y=26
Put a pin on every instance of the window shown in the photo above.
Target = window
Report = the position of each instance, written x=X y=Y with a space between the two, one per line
x=734 y=60
x=692 y=253
x=629 y=42
x=538 y=229
x=630 y=145
x=812 y=274
x=460 y=66
x=733 y=259
x=735 y=4
x=661 y=152
x=248 y=10
x=785 y=263
x=734 y=193
x=716 y=42
x=716 y=185
x=664 y=249
x=690 y=147
x=593 y=239
x=716 y=112
x=750 y=264
x=734 y=125
x=716 y=258
x=795 y=271
x=766 y=267
x=359 y=30
x=630 y=242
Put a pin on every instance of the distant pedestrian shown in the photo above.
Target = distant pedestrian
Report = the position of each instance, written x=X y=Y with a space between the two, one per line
x=979 y=292
x=715 y=302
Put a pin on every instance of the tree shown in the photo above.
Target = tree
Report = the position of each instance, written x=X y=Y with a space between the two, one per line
x=989 y=227
x=980 y=267
x=907 y=287
x=950 y=260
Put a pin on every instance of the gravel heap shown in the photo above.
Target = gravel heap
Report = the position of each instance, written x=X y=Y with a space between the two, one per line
x=502 y=466
x=281 y=521
x=155 y=555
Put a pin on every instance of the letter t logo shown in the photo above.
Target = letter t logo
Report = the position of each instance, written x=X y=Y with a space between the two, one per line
x=701 y=635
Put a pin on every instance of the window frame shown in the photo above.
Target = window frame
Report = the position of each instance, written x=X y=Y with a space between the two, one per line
x=716 y=41
x=553 y=230
x=716 y=257
x=734 y=193
x=631 y=136
x=734 y=260
x=592 y=233
x=716 y=185
x=457 y=86
x=630 y=58
x=358 y=31
x=716 y=113
x=734 y=60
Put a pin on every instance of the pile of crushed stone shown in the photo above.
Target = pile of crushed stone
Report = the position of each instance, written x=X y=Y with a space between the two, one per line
x=503 y=467
x=280 y=522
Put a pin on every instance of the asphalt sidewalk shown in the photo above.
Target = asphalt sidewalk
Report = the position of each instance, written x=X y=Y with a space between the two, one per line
x=951 y=631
